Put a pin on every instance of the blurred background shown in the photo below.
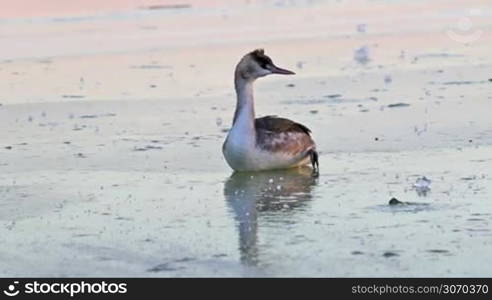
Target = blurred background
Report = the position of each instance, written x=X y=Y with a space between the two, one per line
x=200 y=41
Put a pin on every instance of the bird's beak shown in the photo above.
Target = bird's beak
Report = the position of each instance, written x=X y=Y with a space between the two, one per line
x=276 y=70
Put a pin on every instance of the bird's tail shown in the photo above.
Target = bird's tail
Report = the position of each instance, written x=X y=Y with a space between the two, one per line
x=313 y=155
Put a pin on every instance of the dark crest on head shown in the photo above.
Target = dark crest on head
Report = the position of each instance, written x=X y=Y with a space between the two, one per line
x=259 y=56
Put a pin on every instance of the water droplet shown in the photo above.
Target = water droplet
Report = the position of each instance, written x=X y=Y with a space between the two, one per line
x=218 y=121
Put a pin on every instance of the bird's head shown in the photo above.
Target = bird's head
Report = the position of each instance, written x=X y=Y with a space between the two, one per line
x=256 y=64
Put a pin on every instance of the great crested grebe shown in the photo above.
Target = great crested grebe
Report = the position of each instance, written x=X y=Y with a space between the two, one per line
x=265 y=143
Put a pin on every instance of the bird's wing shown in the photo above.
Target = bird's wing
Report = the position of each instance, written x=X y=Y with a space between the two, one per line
x=282 y=135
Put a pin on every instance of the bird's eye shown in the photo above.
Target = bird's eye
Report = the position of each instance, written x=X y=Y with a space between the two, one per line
x=261 y=59
x=265 y=62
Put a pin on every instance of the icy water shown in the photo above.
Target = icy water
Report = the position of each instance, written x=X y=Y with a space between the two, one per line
x=282 y=223
x=103 y=197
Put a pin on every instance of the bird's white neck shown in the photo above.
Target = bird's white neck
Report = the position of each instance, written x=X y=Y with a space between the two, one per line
x=244 y=116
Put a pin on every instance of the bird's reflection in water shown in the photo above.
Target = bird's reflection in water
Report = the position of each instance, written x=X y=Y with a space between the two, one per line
x=252 y=194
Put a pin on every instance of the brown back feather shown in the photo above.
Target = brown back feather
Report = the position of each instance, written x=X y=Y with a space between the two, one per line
x=274 y=124
x=282 y=135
